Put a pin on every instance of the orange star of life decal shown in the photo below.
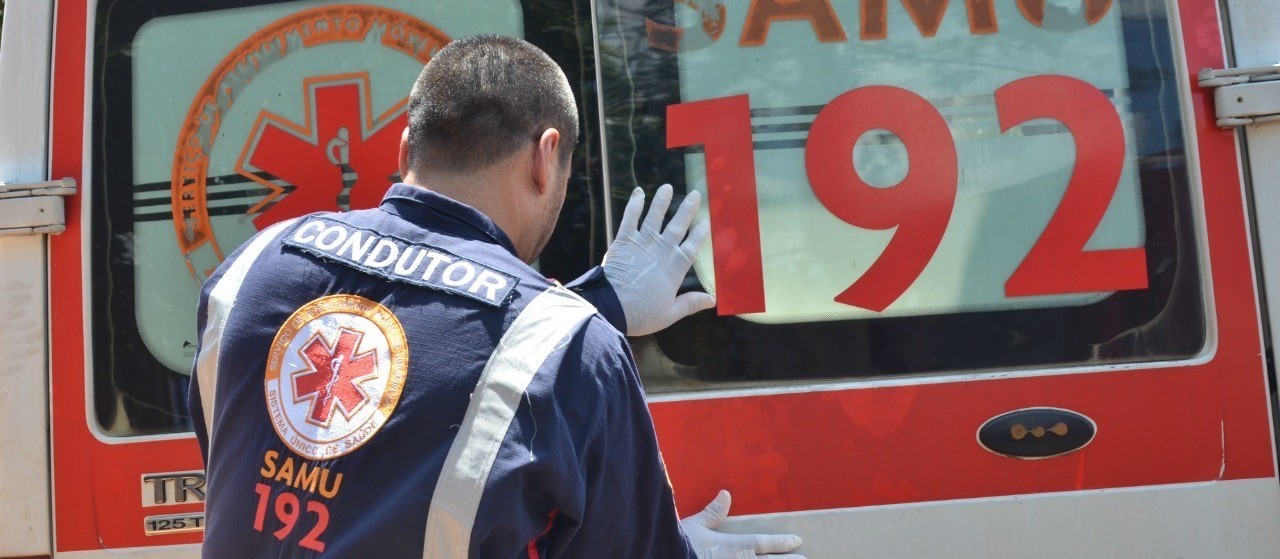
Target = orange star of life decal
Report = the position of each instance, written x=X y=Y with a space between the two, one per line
x=341 y=157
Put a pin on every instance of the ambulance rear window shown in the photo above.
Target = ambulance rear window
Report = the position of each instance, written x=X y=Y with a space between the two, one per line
x=910 y=187
x=210 y=124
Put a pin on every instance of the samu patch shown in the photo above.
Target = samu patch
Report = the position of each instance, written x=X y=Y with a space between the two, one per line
x=335 y=374
x=396 y=259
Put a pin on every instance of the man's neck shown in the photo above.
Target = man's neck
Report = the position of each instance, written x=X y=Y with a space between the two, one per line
x=488 y=191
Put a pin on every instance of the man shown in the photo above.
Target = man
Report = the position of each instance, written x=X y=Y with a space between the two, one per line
x=399 y=382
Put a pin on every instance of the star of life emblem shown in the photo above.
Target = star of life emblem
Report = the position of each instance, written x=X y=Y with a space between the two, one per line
x=335 y=374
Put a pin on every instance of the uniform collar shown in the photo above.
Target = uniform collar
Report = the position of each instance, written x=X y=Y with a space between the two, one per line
x=432 y=210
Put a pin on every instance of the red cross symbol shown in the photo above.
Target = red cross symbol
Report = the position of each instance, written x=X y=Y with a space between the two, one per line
x=335 y=375
x=341 y=157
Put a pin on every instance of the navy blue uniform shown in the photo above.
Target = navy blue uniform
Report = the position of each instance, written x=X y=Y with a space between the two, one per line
x=340 y=358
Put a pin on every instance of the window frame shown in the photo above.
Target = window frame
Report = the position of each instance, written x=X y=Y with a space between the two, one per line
x=891 y=347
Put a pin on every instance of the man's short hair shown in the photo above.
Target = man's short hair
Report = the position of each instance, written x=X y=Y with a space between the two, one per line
x=482 y=98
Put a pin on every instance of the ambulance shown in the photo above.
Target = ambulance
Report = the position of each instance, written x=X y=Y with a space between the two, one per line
x=996 y=278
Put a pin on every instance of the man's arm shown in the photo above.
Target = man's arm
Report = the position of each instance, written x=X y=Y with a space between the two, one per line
x=629 y=509
x=201 y=418
x=195 y=402
x=579 y=475
x=595 y=288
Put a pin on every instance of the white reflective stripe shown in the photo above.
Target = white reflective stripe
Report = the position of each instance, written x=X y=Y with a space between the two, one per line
x=539 y=330
x=221 y=299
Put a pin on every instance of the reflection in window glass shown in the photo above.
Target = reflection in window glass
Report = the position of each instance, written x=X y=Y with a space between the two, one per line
x=216 y=123
x=936 y=187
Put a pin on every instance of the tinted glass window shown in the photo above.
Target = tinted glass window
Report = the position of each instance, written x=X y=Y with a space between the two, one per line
x=213 y=120
x=910 y=187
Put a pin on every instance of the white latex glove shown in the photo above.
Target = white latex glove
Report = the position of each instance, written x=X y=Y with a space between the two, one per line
x=710 y=544
x=646 y=264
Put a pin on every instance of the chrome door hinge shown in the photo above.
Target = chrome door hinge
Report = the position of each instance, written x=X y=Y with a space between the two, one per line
x=1244 y=95
x=34 y=208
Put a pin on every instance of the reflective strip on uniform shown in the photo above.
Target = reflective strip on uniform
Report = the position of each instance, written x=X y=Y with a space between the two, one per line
x=221 y=299
x=536 y=333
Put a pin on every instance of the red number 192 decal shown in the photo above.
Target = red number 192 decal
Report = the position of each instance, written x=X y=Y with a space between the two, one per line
x=919 y=207
x=287 y=509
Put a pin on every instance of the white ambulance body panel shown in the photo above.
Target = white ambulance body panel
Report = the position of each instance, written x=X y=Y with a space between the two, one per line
x=24 y=390
x=1255 y=40
x=1226 y=519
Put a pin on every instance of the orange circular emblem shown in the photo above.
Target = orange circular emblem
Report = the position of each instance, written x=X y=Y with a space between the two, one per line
x=335 y=374
x=363 y=148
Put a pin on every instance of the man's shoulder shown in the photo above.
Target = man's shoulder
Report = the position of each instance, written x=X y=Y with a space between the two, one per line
x=601 y=354
x=604 y=338
x=256 y=246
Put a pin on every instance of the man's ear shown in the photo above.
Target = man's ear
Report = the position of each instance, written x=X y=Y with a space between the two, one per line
x=546 y=160
x=404 y=153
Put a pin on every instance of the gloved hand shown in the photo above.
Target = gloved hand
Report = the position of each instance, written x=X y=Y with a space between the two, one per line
x=646 y=264
x=710 y=544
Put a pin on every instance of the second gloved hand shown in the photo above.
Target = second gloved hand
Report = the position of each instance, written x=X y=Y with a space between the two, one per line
x=710 y=544
x=646 y=263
